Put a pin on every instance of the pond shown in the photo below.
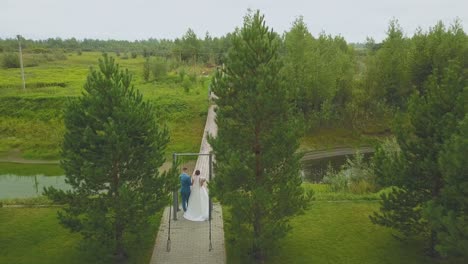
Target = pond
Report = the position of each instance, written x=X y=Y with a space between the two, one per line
x=29 y=180
x=314 y=169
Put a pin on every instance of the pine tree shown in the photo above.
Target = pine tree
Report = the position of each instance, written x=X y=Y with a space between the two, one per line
x=257 y=168
x=448 y=214
x=146 y=69
x=387 y=77
x=112 y=149
x=430 y=121
x=298 y=65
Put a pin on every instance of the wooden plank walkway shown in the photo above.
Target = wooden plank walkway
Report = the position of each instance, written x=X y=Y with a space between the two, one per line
x=190 y=240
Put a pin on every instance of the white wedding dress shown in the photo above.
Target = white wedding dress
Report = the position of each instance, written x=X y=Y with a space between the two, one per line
x=197 y=209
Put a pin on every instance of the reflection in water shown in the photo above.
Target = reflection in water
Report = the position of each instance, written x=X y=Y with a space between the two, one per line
x=314 y=170
x=17 y=186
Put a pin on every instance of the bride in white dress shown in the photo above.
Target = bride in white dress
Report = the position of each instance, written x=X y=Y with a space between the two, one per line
x=197 y=209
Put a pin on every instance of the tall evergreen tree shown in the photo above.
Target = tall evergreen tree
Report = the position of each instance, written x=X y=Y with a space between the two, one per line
x=191 y=46
x=298 y=65
x=387 y=77
x=448 y=214
x=431 y=120
x=111 y=153
x=257 y=165
x=146 y=69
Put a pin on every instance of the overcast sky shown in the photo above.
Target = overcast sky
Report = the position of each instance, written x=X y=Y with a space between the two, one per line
x=143 y=19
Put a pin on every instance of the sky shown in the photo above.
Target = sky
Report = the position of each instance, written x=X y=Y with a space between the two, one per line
x=355 y=20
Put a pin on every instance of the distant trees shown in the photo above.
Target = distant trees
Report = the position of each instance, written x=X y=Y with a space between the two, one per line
x=402 y=65
x=319 y=71
x=188 y=48
x=433 y=51
x=257 y=164
x=387 y=78
x=111 y=153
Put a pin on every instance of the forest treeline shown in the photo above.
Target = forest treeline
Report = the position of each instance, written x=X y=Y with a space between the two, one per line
x=333 y=81
x=188 y=48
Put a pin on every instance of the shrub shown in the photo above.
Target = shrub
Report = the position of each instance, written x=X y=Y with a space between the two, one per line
x=173 y=64
x=134 y=54
x=336 y=179
x=182 y=74
x=10 y=60
x=387 y=163
x=186 y=84
x=355 y=176
x=193 y=77
x=362 y=187
x=59 y=55
x=40 y=50
x=146 y=70
x=158 y=68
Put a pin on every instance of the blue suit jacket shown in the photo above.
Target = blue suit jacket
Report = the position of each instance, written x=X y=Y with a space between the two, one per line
x=185 y=183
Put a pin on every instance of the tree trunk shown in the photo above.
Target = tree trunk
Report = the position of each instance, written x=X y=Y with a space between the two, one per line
x=119 y=247
x=432 y=251
x=435 y=195
x=257 y=225
x=119 y=253
x=258 y=251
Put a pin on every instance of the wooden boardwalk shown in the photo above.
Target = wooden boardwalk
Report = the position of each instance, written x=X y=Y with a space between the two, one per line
x=190 y=240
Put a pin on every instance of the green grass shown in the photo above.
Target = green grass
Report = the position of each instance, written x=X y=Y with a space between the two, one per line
x=33 y=235
x=31 y=122
x=323 y=192
x=339 y=232
x=344 y=137
x=28 y=202
x=30 y=169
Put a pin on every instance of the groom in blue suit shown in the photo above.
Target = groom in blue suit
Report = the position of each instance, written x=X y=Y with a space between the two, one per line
x=185 y=183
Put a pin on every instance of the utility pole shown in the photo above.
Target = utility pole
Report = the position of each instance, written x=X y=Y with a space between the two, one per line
x=21 y=62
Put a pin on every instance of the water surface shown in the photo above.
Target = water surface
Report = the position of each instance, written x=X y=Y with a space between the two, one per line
x=28 y=180
x=313 y=170
x=19 y=186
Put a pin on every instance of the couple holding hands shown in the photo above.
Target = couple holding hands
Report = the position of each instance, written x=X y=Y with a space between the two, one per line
x=194 y=194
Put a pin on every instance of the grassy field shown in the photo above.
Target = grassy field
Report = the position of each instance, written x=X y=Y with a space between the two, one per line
x=369 y=134
x=31 y=124
x=336 y=229
x=33 y=235
x=30 y=169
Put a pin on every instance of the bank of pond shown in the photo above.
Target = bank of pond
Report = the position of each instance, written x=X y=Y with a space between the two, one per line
x=28 y=180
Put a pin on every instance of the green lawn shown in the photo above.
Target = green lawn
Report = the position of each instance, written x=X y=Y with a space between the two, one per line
x=339 y=232
x=33 y=235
